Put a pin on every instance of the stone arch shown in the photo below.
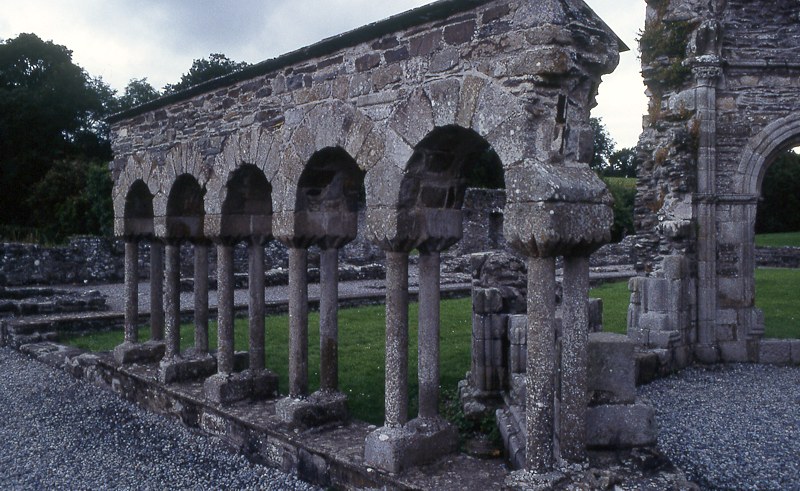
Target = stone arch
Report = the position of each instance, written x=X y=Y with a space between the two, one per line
x=247 y=207
x=762 y=149
x=184 y=213
x=434 y=183
x=328 y=197
x=138 y=211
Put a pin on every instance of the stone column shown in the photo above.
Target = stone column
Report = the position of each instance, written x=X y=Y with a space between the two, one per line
x=541 y=368
x=131 y=291
x=574 y=345
x=298 y=322
x=201 y=297
x=428 y=339
x=396 y=400
x=172 y=299
x=256 y=303
x=706 y=73
x=224 y=309
x=156 y=290
x=328 y=319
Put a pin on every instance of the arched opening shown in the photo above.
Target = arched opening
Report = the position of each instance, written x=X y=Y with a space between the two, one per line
x=247 y=209
x=138 y=210
x=777 y=244
x=185 y=209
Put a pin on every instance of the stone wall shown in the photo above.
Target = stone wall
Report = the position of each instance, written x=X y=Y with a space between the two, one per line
x=724 y=85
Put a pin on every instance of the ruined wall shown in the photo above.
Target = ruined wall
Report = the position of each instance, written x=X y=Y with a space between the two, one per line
x=724 y=85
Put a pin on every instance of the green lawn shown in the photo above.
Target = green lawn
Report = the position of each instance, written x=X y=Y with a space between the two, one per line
x=362 y=341
x=776 y=295
x=778 y=240
x=361 y=351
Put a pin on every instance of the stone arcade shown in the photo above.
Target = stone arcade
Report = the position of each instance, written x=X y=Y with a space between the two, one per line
x=403 y=107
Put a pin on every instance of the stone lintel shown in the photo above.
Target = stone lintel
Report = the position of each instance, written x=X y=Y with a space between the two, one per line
x=148 y=352
x=320 y=408
x=420 y=441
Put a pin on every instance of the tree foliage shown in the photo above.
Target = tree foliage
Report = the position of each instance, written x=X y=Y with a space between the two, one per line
x=203 y=70
x=50 y=110
x=603 y=145
x=137 y=92
x=779 y=207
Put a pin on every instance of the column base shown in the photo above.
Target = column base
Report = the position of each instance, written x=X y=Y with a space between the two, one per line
x=149 y=352
x=223 y=388
x=319 y=408
x=534 y=481
x=706 y=353
x=420 y=441
x=189 y=367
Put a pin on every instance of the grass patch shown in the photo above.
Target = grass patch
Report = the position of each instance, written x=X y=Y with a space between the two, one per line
x=782 y=239
x=361 y=351
x=615 y=298
x=362 y=339
x=776 y=295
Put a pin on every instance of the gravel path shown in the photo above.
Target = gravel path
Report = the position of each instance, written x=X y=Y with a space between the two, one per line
x=731 y=427
x=728 y=427
x=60 y=433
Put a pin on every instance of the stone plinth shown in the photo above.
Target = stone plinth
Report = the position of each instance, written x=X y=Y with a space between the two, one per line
x=621 y=425
x=189 y=366
x=223 y=388
x=419 y=442
x=320 y=408
x=148 y=352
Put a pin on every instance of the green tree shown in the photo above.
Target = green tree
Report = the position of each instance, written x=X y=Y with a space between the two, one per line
x=137 y=92
x=50 y=111
x=203 y=70
x=622 y=163
x=603 y=146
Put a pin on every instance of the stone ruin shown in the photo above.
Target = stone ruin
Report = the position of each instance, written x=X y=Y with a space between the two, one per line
x=723 y=83
x=388 y=119
x=401 y=108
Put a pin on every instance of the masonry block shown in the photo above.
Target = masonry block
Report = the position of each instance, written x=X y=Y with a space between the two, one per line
x=418 y=442
x=620 y=426
x=775 y=352
x=486 y=300
x=611 y=369
x=319 y=408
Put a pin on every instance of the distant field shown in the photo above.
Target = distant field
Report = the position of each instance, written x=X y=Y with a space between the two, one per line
x=623 y=182
x=784 y=239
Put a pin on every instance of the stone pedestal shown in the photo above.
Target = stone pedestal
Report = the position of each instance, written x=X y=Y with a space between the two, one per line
x=188 y=366
x=222 y=388
x=420 y=441
x=320 y=408
x=148 y=352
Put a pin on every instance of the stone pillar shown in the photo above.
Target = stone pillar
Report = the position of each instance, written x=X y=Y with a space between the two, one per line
x=224 y=309
x=172 y=299
x=131 y=350
x=396 y=398
x=328 y=319
x=131 y=291
x=541 y=369
x=255 y=274
x=201 y=297
x=574 y=345
x=706 y=74
x=428 y=339
x=156 y=290
x=298 y=322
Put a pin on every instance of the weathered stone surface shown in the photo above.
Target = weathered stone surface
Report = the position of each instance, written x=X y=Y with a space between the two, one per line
x=420 y=441
x=611 y=369
x=320 y=408
x=621 y=426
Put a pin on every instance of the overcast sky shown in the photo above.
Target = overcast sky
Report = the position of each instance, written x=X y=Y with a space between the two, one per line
x=119 y=40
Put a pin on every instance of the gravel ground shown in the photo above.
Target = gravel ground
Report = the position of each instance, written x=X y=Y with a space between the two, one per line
x=728 y=427
x=60 y=433
x=731 y=427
